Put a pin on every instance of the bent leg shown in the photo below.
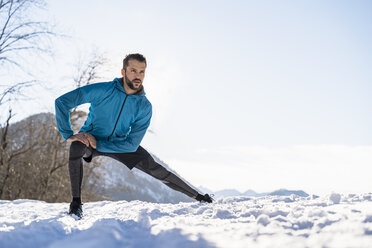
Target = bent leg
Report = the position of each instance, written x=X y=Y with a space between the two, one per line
x=75 y=167
x=151 y=167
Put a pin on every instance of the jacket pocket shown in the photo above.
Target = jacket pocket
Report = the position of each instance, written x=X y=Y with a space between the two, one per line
x=123 y=134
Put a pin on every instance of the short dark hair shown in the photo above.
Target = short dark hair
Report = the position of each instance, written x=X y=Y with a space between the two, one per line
x=136 y=56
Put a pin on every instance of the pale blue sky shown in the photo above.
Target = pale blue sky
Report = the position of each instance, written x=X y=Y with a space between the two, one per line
x=246 y=94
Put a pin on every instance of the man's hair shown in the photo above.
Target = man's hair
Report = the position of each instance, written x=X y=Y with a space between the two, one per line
x=136 y=56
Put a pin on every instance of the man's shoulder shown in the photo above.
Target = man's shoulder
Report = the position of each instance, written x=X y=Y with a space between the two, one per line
x=144 y=105
x=146 y=102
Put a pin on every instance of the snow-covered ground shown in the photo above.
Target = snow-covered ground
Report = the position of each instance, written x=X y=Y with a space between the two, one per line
x=270 y=221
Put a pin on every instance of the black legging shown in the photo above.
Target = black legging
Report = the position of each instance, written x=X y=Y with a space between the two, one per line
x=139 y=159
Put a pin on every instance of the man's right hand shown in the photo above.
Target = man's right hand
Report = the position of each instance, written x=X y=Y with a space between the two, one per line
x=85 y=138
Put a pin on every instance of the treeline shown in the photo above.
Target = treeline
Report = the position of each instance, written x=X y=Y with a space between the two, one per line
x=34 y=162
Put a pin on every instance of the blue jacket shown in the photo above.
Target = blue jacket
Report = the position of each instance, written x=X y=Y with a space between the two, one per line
x=118 y=121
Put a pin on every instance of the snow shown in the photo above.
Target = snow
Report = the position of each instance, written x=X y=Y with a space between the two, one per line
x=335 y=198
x=335 y=220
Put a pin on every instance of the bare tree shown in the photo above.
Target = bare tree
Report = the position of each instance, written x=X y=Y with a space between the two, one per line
x=10 y=151
x=14 y=90
x=89 y=68
x=7 y=153
x=35 y=156
x=20 y=35
x=19 y=32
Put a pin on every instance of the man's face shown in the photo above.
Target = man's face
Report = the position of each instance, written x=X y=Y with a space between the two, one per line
x=134 y=74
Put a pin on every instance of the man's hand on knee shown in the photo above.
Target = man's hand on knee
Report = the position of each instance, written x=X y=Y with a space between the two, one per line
x=84 y=138
x=91 y=139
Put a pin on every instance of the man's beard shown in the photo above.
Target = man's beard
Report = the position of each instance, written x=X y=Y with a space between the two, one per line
x=130 y=83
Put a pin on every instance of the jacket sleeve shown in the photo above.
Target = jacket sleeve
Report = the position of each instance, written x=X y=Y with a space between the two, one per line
x=131 y=142
x=63 y=105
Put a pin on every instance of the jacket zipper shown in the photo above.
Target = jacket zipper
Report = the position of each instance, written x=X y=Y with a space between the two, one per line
x=108 y=138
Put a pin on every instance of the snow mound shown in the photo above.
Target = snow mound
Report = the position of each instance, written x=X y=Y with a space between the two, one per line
x=335 y=198
x=268 y=221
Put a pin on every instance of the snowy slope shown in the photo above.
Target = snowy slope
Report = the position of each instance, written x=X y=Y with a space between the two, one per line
x=269 y=221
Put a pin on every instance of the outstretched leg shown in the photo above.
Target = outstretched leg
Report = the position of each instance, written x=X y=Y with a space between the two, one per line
x=151 y=167
x=143 y=161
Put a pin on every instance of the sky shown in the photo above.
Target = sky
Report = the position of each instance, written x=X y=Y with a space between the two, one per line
x=246 y=94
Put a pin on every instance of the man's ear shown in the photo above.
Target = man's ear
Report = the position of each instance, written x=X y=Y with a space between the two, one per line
x=123 y=72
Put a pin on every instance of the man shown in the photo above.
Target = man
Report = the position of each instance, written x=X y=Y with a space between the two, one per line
x=118 y=118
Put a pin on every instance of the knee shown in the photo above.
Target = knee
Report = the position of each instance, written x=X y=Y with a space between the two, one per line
x=161 y=173
x=77 y=150
x=157 y=170
x=145 y=164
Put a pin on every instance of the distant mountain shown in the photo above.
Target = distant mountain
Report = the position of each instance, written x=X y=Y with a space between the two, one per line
x=285 y=192
x=253 y=193
x=234 y=192
x=227 y=192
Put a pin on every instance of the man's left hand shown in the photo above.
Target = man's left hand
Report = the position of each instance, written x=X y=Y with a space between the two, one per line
x=92 y=140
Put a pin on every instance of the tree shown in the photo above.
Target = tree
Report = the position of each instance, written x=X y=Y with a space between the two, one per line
x=19 y=33
x=20 y=36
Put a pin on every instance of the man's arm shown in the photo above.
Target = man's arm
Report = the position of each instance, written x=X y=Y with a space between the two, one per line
x=138 y=131
x=63 y=104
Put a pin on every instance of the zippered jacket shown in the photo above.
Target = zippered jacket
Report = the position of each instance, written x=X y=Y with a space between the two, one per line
x=118 y=121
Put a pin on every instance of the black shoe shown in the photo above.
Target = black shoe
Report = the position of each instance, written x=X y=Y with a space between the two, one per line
x=204 y=198
x=76 y=209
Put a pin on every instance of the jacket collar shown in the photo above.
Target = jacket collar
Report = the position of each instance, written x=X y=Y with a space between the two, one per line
x=119 y=86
